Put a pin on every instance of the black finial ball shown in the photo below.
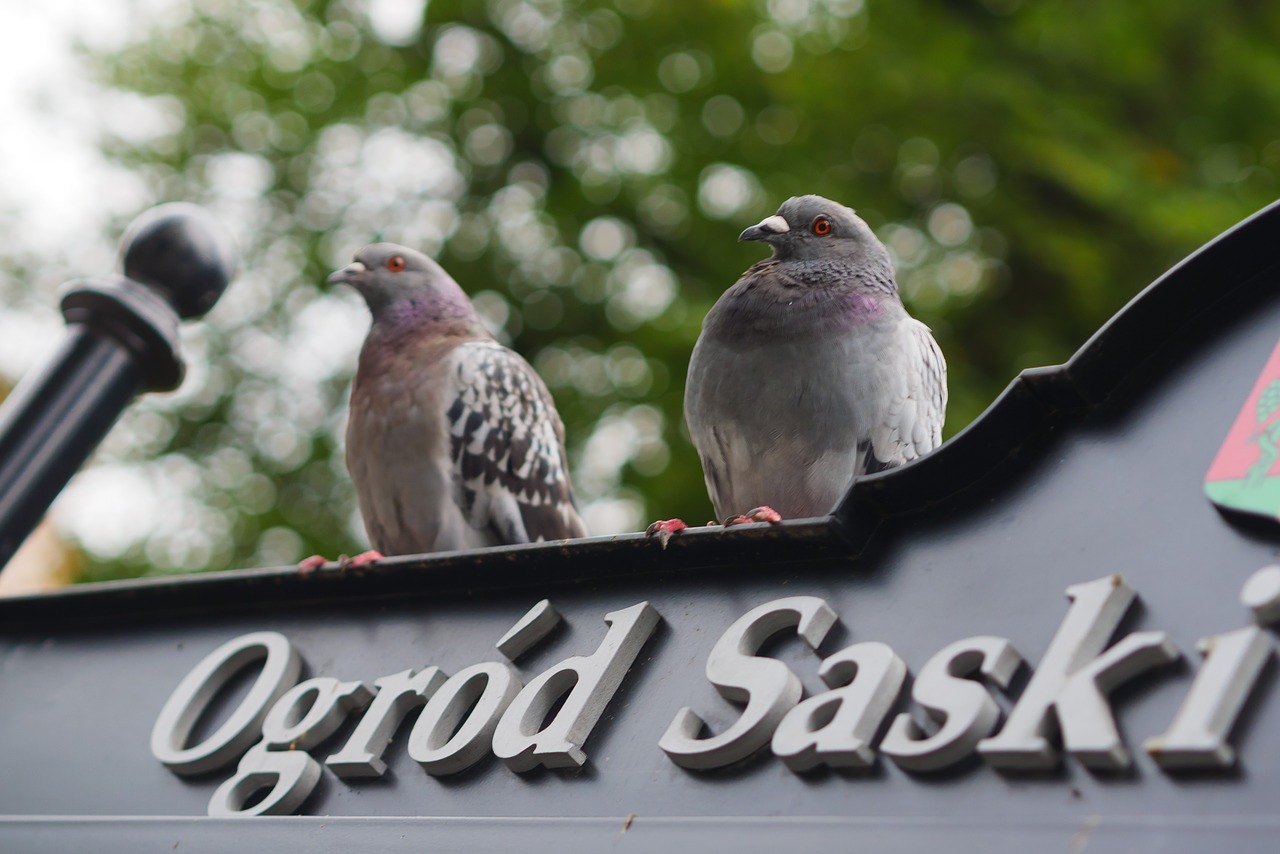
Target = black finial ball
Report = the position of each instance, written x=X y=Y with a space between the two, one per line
x=181 y=252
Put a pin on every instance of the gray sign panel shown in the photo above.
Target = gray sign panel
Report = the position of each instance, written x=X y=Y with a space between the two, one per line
x=1042 y=636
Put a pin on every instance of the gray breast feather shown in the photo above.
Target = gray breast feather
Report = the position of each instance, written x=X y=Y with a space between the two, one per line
x=507 y=448
x=790 y=424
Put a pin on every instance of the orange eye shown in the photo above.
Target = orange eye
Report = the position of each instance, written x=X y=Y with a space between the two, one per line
x=395 y=263
x=822 y=226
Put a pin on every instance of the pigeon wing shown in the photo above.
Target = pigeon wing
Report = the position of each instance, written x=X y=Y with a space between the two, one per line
x=507 y=447
x=915 y=401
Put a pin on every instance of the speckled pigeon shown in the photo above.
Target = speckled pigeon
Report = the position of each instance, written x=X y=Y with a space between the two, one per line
x=809 y=371
x=453 y=441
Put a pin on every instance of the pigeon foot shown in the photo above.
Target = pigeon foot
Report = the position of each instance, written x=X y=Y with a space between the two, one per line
x=759 y=514
x=665 y=529
x=308 y=565
x=362 y=559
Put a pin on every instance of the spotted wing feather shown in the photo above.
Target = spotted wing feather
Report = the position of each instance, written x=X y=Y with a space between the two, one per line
x=507 y=448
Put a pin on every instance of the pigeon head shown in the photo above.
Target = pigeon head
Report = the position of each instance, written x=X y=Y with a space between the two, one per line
x=808 y=228
x=402 y=284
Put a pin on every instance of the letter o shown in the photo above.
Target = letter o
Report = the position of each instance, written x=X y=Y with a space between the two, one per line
x=485 y=690
x=280 y=668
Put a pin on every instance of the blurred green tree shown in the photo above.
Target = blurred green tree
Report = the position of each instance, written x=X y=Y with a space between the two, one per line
x=583 y=167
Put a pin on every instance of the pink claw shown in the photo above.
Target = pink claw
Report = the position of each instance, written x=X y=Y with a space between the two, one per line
x=308 y=565
x=759 y=514
x=362 y=559
x=665 y=529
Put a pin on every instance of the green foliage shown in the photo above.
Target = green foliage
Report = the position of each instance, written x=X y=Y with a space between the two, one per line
x=585 y=167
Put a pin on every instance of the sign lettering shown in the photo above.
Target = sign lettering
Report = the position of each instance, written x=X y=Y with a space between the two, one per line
x=485 y=707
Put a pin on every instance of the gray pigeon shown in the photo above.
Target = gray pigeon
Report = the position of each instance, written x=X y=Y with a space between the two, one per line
x=453 y=441
x=809 y=371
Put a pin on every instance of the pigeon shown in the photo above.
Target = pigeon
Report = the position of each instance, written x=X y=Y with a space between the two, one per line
x=809 y=371
x=453 y=441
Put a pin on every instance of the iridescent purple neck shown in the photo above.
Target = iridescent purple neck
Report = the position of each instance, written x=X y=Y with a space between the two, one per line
x=429 y=312
x=749 y=314
x=855 y=309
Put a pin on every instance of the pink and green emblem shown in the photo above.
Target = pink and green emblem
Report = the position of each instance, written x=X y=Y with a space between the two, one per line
x=1244 y=476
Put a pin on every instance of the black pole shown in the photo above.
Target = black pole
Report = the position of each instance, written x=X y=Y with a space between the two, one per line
x=122 y=339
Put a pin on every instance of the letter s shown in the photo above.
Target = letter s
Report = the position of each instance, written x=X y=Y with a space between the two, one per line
x=766 y=685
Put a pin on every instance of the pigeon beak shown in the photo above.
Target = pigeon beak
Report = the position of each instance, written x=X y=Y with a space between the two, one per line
x=766 y=229
x=348 y=274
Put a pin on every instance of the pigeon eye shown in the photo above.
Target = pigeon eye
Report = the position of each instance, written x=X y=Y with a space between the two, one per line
x=822 y=226
x=395 y=264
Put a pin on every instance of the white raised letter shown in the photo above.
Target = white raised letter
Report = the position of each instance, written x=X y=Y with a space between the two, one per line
x=521 y=740
x=766 y=685
x=397 y=694
x=438 y=743
x=1261 y=595
x=327 y=702
x=1071 y=680
x=1197 y=738
x=866 y=679
x=541 y=619
x=189 y=700
x=279 y=760
x=291 y=774
x=1088 y=727
x=962 y=706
